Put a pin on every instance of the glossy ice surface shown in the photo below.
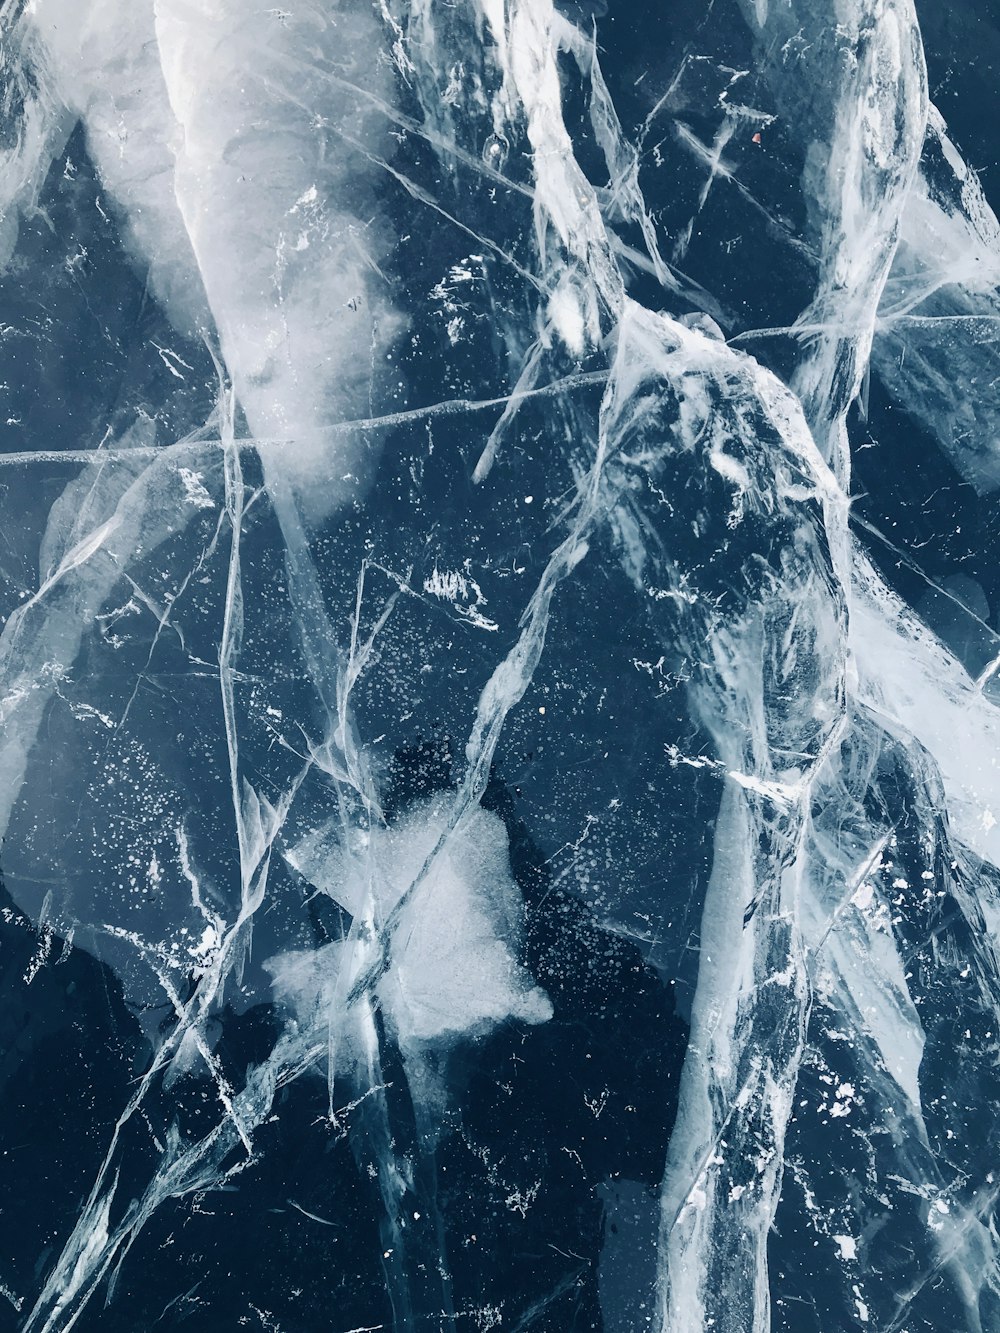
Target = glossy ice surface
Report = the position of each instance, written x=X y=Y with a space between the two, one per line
x=500 y=667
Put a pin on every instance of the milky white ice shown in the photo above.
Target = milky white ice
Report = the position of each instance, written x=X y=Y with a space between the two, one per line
x=267 y=238
x=453 y=965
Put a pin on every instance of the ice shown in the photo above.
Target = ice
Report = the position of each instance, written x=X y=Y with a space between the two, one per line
x=465 y=489
x=938 y=317
x=453 y=949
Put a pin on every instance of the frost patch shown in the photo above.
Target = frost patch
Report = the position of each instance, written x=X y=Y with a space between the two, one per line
x=195 y=492
x=455 y=939
x=848 y=1247
x=463 y=593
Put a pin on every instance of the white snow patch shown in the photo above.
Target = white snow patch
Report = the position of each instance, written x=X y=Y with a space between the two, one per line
x=454 y=949
x=848 y=1247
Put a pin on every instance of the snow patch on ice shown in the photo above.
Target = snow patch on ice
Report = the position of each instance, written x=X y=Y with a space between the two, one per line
x=454 y=954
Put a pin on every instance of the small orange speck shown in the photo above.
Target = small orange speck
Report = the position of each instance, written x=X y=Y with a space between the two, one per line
x=756 y=137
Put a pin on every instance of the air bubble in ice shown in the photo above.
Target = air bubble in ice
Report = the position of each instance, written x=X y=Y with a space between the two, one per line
x=495 y=151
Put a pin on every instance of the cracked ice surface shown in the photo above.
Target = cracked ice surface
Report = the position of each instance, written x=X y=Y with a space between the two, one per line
x=499 y=720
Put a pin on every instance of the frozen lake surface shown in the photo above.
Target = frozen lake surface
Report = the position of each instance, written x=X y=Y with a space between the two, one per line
x=500 y=666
